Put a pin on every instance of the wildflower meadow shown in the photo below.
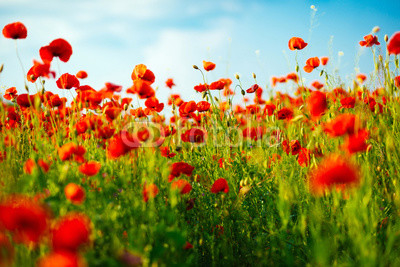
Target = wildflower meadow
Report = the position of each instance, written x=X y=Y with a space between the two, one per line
x=247 y=175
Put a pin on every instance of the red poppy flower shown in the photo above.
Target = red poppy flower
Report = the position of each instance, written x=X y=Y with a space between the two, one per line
x=186 y=108
x=252 y=89
x=71 y=151
x=25 y=100
x=356 y=142
x=183 y=186
x=269 y=109
x=316 y=103
x=361 y=78
x=348 y=102
x=203 y=106
x=111 y=87
x=61 y=259
x=39 y=70
x=167 y=131
x=294 y=147
x=396 y=81
x=166 y=153
x=57 y=48
x=369 y=41
x=90 y=168
x=43 y=165
x=169 y=83
x=334 y=171
x=292 y=76
x=311 y=64
x=296 y=43
x=253 y=133
x=143 y=134
x=394 y=44
x=187 y=246
x=179 y=168
x=153 y=104
x=201 y=88
x=149 y=191
x=324 y=60
x=317 y=85
x=71 y=232
x=122 y=144
x=193 y=135
x=141 y=72
x=15 y=30
x=29 y=165
x=218 y=85
x=276 y=80
x=67 y=81
x=81 y=74
x=208 y=66
x=220 y=185
x=304 y=157
x=126 y=101
x=285 y=114
x=142 y=88
x=24 y=218
x=74 y=193
x=11 y=93
x=342 y=124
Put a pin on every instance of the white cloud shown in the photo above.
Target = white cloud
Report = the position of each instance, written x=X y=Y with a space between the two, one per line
x=176 y=51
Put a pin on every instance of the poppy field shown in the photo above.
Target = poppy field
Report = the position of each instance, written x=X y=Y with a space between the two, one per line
x=247 y=176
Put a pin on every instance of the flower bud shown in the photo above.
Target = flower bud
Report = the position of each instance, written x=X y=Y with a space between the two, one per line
x=375 y=29
x=195 y=67
x=254 y=75
x=386 y=38
x=243 y=92
x=297 y=68
x=1 y=68
x=237 y=76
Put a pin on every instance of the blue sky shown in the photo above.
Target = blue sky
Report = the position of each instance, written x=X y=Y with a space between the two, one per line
x=110 y=37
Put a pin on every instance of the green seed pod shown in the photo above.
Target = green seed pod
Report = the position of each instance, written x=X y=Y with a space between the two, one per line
x=37 y=102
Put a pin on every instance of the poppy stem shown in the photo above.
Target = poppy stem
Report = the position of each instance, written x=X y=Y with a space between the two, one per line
x=22 y=65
